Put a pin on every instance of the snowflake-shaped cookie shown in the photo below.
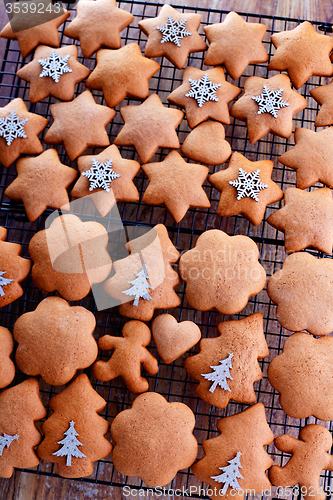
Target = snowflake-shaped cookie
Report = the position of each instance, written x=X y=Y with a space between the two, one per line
x=100 y=175
x=203 y=90
x=3 y=282
x=248 y=184
x=174 y=31
x=270 y=101
x=12 y=128
x=54 y=66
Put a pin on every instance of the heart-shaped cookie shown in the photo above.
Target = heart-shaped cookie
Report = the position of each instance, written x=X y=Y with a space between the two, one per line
x=172 y=339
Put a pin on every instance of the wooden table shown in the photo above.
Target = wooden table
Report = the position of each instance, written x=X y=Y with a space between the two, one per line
x=25 y=486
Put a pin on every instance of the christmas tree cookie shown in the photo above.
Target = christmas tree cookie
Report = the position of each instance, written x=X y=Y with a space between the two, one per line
x=7 y=367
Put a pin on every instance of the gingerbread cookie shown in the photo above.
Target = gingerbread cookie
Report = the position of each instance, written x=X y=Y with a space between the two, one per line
x=175 y=184
x=18 y=132
x=173 y=339
x=55 y=341
x=122 y=73
x=235 y=43
x=268 y=106
x=227 y=366
x=98 y=24
x=173 y=35
x=154 y=439
x=235 y=461
x=204 y=94
x=303 y=53
x=20 y=408
x=306 y=220
x=41 y=182
x=148 y=127
x=79 y=124
x=222 y=271
x=303 y=293
x=70 y=256
x=246 y=188
x=75 y=433
x=324 y=96
x=7 y=367
x=207 y=144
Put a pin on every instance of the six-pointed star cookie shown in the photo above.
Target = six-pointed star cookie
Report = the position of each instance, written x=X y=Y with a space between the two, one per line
x=235 y=43
x=79 y=124
x=324 y=96
x=207 y=97
x=306 y=220
x=260 y=123
x=148 y=127
x=121 y=188
x=18 y=131
x=175 y=184
x=52 y=72
x=41 y=182
x=312 y=157
x=243 y=199
x=303 y=53
x=121 y=73
x=44 y=34
x=98 y=24
x=173 y=35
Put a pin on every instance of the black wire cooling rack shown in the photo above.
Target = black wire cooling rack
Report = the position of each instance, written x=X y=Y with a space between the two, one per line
x=171 y=380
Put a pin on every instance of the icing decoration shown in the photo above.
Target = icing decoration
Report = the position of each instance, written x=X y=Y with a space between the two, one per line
x=248 y=184
x=70 y=445
x=203 y=90
x=12 y=128
x=220 y=374
x=100 y=175
x=174 y=31
x=230 y=474
x=270 y=101
x=54 y=66
x=140 y=285
x=6 y=440
x=3 y=282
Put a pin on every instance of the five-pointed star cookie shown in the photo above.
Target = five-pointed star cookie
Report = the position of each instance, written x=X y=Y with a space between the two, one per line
x=148 y=127
x=175 y=184
x=324 y=96
x=98 y=24
x=259 y=117
x=45 y=34
x=121 y=188
x=262 y=189
x=303 y=53
x=52 y=72
x=235 y=43
x=121 y=73
x=79 y=124
x=216 y=99
x=18 y=131
x=173 y=35
x=306 y=220
x=311 y=157
x=41 y=182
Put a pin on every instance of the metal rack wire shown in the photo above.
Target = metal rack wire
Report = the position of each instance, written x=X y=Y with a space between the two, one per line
x=171 y=380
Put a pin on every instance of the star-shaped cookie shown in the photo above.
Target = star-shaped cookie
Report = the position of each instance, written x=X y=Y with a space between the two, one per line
x=173 y=35
x=235 y=43
x=252 y=193
x=121 y=188
x=324 y=96
x=311 y=157
x=306 y=220
x=79 y=124
x=303 y=53
x=45 y=34
x=148 y=127
x=98 y=24
x=41 y=182
x=121 y=73
x=209 y=86
x=175 y=184
x=18 y=131
x=272 y=110
x=53 y=72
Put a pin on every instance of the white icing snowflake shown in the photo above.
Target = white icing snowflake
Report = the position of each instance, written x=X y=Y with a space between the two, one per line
x=3 y=282
x=174 y=31
x=203 y=90
x=54 y=66
x=100 y=175
x=270 y=101
x=11 y=127
x=248 y=184
x=6 y=440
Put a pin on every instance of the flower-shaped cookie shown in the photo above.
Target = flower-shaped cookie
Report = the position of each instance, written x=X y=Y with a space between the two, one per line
x=7 y=367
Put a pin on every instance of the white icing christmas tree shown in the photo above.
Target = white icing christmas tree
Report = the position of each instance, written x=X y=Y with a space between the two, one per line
x=248 y=184
x=140 y=286
x=6 y=440
x=54 y=66
x=3 y=282
x=230 y=474
x=11 y=127
x=270 y=101
x=70 y=445
x=203 y=90
x=220 y=374
x=100 y=175
x=174 y=31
